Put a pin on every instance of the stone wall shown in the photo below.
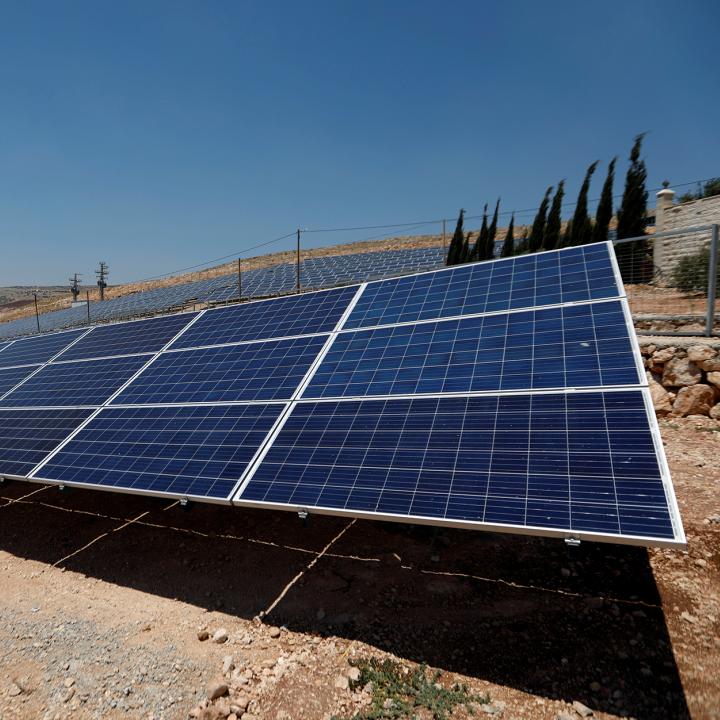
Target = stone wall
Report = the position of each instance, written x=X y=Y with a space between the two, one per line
x=684 y=378
x=669 y=217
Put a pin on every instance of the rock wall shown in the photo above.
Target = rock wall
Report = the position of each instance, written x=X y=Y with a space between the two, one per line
x=669 y=217
x=684 y=380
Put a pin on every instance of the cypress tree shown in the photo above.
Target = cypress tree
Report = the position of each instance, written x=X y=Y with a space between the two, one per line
x=508 y=248
x=490 y=245
x=581 y=225
x=551 y=236
x=478 y=251
x=603 y=214
x=522 y=247
x=538 y=226
x=631 y=219
x=465 y=254
x=565 y=242
x=456 y=244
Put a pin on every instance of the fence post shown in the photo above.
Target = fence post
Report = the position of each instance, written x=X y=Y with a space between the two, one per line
x=37 y=313
x=712 y=282
x=297 y=275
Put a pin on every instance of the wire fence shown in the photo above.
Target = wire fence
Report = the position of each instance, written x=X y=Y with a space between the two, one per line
x=671 y=280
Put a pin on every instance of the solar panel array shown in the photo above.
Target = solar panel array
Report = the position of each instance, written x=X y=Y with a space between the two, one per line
x=506 y=395
x=315 y=273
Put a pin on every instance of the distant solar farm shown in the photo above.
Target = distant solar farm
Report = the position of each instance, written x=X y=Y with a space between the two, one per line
x=315 y=273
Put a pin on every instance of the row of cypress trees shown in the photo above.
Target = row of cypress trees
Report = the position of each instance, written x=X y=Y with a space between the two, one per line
x=546 y=230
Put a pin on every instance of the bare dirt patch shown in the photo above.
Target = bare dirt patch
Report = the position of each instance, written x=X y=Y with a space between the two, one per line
x=103 y=599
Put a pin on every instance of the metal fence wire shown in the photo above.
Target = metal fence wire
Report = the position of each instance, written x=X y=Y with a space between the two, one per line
x=671 y=280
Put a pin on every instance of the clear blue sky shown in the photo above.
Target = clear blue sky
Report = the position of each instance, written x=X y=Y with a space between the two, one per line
x=156 y=135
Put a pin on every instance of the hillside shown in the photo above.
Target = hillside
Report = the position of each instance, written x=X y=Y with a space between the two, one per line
x=18 y=302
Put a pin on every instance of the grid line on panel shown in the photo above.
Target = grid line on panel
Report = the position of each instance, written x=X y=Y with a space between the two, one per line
x=39 y=350
x=293 y=315
x=187 y=451
x=572 y=346
x=136 y=337
x=562 y=276
x=109 y=399
x=26 y=436
x=350 y=455
x=11 y=377
x=258 y=371
x=75 y=383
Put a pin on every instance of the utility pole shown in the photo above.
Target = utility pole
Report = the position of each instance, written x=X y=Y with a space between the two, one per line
x=75 y=287
x=102 y=274
x=297 y=278
x=239 y=281
x=87 y=300
x=443 y=234
x=37 y=313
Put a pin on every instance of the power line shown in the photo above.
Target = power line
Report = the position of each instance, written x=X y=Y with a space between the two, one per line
x=389 y=226
x=216 y=260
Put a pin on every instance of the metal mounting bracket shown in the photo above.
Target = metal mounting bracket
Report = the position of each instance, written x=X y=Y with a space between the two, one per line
x=572 y=541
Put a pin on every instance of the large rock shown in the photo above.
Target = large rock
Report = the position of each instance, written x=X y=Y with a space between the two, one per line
x=694 y=400
x=705 y=357
x=714 y=378
x=217 y=688
x=660 y=396
x=715 y=412
x=663 y=355
x=681 y=372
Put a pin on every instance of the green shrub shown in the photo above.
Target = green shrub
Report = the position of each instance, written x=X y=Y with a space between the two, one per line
x=691 y=273
x=397 y=691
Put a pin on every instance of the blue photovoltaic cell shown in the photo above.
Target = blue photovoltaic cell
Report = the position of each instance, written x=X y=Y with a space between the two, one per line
x=28 y=436
x=252 y=371
x=84 y=382
x=37 y=350
x=140 y=336
x=549 y=278
x=195 y=451
x=573 y=346
x=10 y=377
x=577 y=461
x=283 y=317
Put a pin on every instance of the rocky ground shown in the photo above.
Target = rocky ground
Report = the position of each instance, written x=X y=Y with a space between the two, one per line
x=117 y=606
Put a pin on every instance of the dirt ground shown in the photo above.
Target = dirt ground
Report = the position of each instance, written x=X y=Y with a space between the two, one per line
x=105 y=600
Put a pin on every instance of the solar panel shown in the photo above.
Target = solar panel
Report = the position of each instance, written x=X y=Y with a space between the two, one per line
x=83 y=382
x=506 y=396
x=139 y=336
x=27 y=436
x=550 y=278
x=10 y=377
x=283 y=317
x=35 y=351
x=584 y=462
x=570 y=346
x=190 y=451
x=268 y=370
